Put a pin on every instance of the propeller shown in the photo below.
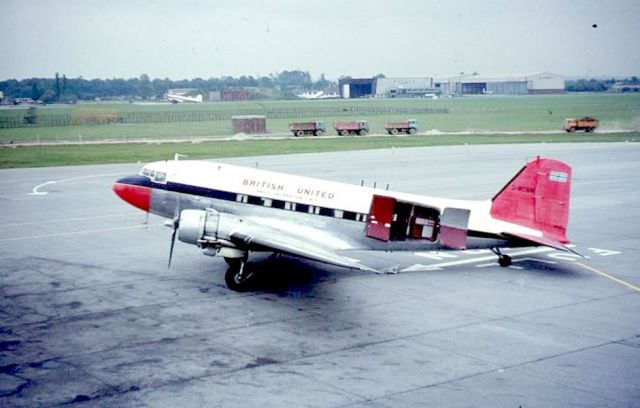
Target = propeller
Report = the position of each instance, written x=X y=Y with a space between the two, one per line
x=176 y=225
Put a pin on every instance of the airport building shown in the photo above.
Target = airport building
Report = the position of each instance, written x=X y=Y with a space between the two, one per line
x=537 y=83
x=354 y=88
x=528 y=84
x=404 y=87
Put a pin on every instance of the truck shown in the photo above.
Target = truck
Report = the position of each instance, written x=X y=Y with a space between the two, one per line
x=409 y=127
x=587 y=124
x=357 y=127
x=307 y=128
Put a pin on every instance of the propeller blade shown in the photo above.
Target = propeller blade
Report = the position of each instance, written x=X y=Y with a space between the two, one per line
x=176 y=225
x=173 y=242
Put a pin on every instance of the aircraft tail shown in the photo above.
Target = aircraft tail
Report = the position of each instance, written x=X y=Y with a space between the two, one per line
x=537 y=197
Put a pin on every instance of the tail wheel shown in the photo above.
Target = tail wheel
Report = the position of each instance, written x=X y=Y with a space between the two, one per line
x=504 y=261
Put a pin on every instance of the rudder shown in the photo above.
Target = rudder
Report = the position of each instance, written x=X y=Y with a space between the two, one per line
x=537 y=197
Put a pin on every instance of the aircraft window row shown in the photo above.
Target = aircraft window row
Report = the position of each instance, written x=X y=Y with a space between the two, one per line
x=299 y=207
x=157 y=176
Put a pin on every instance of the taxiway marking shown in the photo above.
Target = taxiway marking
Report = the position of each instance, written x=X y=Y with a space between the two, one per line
x=436 y=266
x=606 y=275
x=35 y=191
x=63 y=220
x=65 y=234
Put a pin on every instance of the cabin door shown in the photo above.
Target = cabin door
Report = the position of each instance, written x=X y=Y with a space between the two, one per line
x=381 y=217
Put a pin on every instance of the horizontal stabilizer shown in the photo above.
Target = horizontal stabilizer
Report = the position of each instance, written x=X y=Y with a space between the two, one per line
x=544 y=241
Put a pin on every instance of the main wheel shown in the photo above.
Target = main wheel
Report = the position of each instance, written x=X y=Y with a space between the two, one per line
x=393 y=131
x=572 y=129
x=318 y=133
x=300 y=133
x=362 y=132
x=238 y=277
x=344 y=132
x=412 y=131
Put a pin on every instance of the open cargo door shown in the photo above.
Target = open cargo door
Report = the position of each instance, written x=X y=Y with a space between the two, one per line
x=453 y=228
x=381 y=217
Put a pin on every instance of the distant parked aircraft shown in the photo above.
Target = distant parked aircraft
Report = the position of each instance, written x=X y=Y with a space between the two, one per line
x=317 y=95
x=174 y=98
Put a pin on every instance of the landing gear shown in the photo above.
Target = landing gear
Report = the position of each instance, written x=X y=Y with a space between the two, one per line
x=238 y=277
x=503 y=260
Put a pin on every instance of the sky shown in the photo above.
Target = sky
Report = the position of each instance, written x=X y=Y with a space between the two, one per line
x=400 y=38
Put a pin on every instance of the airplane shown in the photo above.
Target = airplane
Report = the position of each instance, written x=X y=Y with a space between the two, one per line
x=310 y=95
x=318 y=95
x=233 y=212
x=175 y=98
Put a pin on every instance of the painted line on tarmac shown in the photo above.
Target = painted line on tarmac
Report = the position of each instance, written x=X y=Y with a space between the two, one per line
x=606 y=275
x=35 y=191
x=436 y=266
x=63 y=220
x=68 y=234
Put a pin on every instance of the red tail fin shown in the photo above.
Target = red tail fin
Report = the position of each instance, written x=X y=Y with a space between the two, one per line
x=537 y=197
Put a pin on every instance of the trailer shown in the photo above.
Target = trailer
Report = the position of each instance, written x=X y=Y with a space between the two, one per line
x=358 y=127
x=409 y=127
x=316 y=128
x=587 y=124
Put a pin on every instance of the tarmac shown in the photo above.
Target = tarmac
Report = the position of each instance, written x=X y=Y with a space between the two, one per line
x=90 y=314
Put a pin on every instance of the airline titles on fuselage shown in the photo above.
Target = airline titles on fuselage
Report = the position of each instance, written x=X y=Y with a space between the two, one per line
x=263 y=186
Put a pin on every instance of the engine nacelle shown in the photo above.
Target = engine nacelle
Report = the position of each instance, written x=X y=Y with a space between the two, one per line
x=198 y=226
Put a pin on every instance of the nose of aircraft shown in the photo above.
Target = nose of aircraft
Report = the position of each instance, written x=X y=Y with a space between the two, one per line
x=136 y=190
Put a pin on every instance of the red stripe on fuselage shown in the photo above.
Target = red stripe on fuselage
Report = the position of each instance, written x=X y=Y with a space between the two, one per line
x=137 y=196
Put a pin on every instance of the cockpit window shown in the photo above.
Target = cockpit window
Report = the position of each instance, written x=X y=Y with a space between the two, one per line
x=157 y=176
x=160 y=177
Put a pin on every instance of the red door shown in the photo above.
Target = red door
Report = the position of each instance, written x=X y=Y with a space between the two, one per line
x=381 y=217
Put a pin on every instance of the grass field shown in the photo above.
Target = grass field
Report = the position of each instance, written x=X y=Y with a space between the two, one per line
x=483 y=114
x=41 y=156
x=480 y=114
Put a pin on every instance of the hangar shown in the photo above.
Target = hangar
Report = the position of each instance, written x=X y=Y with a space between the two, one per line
x=525 y=84
x=357 y=87
x=404 y=87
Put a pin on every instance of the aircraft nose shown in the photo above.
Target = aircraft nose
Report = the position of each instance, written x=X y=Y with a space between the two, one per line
x=136 y=190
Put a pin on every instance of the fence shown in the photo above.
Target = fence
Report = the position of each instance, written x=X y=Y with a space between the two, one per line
x=29 y=118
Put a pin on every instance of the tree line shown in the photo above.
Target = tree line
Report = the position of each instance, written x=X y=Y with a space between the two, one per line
x=63 y=89
x=594 y=85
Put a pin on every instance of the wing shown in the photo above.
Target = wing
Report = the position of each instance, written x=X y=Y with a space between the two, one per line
x=258 y=237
